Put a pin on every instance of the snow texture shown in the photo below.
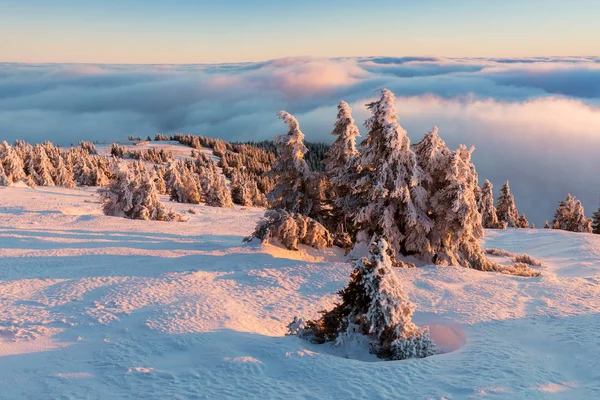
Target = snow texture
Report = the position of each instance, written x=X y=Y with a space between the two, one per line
x=101 y=307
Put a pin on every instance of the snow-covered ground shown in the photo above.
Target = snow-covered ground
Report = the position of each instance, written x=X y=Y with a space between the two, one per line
x=101 y=307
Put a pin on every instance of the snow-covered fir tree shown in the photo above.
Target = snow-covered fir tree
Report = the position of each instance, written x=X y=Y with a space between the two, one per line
x=12 y=162
x=244 y=190
x=214 y=186
x=118 y=201
x=374 y=305
x=290 y=170
x=133 y=194
x=596 y=222
x=450 y=181
x=146 y=201
x=3 y=177
x=506 y=208
x=159 y=179
x=389 y=200
x=570 y=216
x=341 y=163
x=291 y=229
x=523 y=222
x=489 y=218
x=63 y=176
x=174 y=184
x=546 y=225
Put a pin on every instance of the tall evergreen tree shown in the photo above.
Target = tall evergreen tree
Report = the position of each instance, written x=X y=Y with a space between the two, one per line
x=570 y=216
x=3 y=177
x=596 y=222
x=506 y=209
x=489 y=218
x=291 y=170
x=390 y=201
x=450 y=180
x=12 y=162
x=341 y=166
x=63 y=177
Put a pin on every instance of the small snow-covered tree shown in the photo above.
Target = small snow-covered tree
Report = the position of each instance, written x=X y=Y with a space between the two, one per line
x=133 y=195
x=375 y=305
x=174 y=184
x=291 y=229
x=523 y=222
x=244 y=190
x=12 y=162
x=489 y=218
x=3 y=177
x=118 y=200
x=146 y=202
x=596 y=222
x=546 y=225
x=63 y=176
x=290 y=170
x=159 y=179
x=570 y=216
x=213 y=183
x=506 y=209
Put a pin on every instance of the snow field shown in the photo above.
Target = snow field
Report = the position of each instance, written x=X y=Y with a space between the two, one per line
x=103 y=307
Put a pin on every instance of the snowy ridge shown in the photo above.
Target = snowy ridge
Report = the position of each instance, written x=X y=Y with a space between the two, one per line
x=103 y=307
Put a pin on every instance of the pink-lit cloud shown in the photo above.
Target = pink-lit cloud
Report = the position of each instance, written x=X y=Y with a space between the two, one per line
x=533 y=121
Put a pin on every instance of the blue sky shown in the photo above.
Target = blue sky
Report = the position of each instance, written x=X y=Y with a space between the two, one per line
x=186 y=31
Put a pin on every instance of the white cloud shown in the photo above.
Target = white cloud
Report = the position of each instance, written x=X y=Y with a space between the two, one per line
x=533 y=121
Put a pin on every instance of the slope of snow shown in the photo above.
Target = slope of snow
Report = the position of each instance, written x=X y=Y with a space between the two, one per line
x=179 y=150
x=102 y=307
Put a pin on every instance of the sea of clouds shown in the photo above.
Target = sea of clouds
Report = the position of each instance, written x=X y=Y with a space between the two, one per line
x=535 y=122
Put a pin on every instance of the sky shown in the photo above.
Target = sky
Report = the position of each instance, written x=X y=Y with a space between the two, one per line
x=519 y=80
x=198 y=31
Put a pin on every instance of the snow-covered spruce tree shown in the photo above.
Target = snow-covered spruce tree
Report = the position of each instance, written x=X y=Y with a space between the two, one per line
x=595 y=222
x=450 y=181
x=146 y=202
x=39 y=167
x=390 y=202
x=213 y=183
x=290 y=170
x=118 y=200
x=570 y=216
x=89 y=147
x=118 y=151
x=291 y=229
x=133 y=195
x=341 y=162
x=159 y=179
x=546 y=225
x=12 y=162
x=506 y=209
x=244 y=190
x=489 y=218
x=190 y=186
x=63 y=176
x=375 y=305
x=175 y=186
x=523 y=223
x=3 y=177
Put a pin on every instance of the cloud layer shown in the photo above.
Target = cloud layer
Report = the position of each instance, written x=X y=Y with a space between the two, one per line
x=535 y=122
